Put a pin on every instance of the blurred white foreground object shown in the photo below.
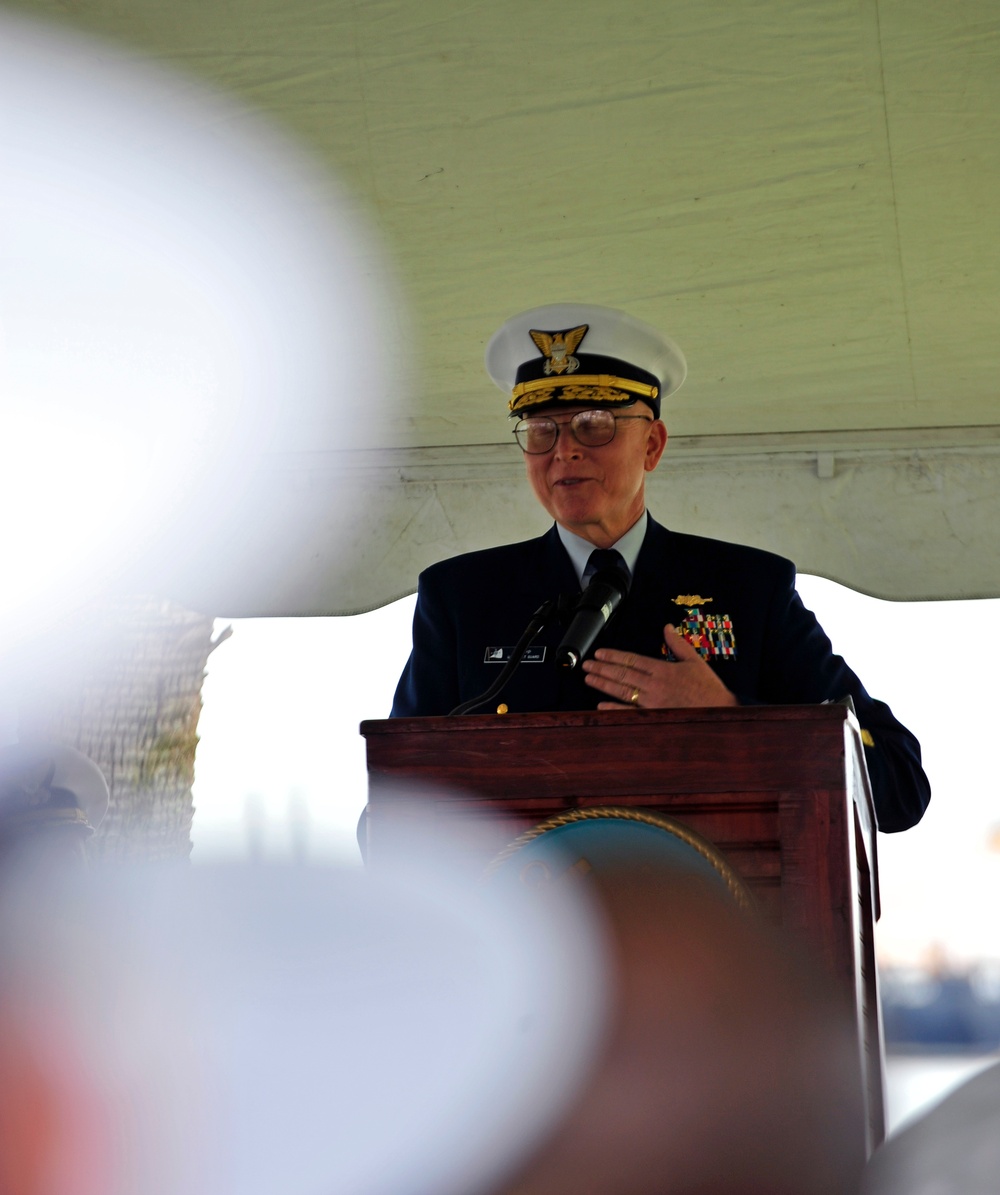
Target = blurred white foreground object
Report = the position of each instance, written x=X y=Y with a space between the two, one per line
x=186 y=302
x=954 y=1149
x=262 y=1029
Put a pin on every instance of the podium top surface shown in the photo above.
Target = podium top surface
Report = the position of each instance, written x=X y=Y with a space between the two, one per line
x=817 y=716
x=748 y=747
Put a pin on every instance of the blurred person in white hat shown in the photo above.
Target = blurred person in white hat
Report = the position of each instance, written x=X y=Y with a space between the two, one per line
x=52 y=799
x=701 y=622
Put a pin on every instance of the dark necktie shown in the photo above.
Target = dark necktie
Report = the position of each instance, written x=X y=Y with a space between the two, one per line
x=604 y=558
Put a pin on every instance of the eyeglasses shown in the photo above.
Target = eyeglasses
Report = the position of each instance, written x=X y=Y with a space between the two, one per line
x=591 y=428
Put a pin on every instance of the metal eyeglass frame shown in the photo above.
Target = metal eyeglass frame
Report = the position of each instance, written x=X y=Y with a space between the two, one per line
x=572 y=424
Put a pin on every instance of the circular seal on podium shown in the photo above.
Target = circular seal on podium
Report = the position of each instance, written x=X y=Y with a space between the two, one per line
x=606 y=838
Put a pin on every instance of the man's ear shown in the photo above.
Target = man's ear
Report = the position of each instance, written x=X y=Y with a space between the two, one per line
x=656 y=441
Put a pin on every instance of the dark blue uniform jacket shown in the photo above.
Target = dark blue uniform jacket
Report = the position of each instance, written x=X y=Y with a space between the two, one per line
x=471 y=605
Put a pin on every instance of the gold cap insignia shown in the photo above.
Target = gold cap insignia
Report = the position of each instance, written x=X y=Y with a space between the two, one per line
x=558 y=347
x=691 y=599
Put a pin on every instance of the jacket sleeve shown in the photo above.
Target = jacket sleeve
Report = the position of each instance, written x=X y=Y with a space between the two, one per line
x=429 y=684
x=800 y=665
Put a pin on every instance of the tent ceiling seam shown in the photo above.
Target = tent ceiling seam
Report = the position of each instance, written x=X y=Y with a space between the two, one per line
x=903 y=289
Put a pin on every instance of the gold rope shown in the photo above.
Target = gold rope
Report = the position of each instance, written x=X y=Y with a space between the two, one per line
x=737 y=889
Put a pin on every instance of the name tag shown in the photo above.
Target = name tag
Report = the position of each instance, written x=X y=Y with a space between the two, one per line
x=501 y=655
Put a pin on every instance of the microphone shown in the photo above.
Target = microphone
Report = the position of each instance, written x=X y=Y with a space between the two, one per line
x=597 y=603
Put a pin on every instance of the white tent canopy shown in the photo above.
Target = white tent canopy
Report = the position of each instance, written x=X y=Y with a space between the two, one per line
x=803 y=196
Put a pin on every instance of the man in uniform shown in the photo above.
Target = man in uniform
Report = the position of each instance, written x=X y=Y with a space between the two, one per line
x=705 y=623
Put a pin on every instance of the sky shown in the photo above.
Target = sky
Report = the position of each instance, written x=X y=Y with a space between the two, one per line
x=281 y=764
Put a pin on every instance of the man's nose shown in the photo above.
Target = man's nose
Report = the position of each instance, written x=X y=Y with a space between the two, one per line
x=566 y=445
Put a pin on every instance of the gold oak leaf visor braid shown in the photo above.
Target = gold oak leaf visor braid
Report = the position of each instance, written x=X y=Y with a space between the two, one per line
x=598 y=389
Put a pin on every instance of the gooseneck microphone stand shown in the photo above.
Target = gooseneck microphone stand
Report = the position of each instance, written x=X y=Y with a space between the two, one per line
x=539 y=620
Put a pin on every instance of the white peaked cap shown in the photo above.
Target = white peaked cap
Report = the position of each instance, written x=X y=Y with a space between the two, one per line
x=610 y=333
x=30 y=770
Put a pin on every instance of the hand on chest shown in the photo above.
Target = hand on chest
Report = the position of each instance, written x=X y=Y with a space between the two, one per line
x=638 y=626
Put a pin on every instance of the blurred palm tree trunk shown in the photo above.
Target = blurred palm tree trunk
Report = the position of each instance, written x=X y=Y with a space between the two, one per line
x=121 y=681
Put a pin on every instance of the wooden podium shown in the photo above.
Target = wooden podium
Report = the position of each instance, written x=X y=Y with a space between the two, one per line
x=781 y=791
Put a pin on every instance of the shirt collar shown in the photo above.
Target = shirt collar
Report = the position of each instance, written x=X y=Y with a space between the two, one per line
x=579 y=549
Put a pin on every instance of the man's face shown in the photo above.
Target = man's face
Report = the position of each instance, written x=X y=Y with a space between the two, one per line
x=598 y=493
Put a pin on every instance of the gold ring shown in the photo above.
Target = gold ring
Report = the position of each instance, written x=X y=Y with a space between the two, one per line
x=634 y=699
